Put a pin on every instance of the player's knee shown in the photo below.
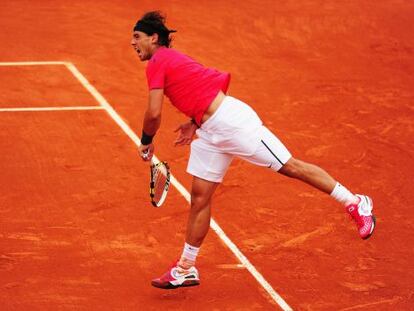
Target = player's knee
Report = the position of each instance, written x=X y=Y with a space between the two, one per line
x=199 y=201
x=294 y=168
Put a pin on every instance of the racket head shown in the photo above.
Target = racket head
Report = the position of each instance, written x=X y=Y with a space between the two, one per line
x=159 y=183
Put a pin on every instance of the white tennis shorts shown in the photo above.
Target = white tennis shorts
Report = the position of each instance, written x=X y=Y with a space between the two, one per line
x=234 y=130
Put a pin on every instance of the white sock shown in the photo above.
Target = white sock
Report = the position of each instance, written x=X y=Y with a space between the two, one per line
x=364 y=208
x=189 y=256
x=343 y=195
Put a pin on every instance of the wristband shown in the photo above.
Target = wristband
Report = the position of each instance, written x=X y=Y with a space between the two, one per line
x=146 y=139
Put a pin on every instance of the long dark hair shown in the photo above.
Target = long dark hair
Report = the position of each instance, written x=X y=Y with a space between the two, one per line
x=154 y=22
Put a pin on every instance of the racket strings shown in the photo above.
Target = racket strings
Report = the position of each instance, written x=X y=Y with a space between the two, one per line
x=159 y=182
x=159 y=185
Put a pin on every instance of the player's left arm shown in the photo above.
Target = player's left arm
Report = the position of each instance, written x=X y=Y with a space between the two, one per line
x=151 y=123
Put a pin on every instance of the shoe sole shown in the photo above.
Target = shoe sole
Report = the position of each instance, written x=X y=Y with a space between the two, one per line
x=187 y=283
x=374 y=221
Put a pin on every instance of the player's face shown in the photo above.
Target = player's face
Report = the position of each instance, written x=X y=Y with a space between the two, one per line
x=143 y=44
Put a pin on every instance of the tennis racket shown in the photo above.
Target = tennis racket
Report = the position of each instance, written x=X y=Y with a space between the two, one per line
x=159 y=182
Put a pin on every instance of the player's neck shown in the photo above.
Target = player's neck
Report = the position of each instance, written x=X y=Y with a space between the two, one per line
x=157 y=48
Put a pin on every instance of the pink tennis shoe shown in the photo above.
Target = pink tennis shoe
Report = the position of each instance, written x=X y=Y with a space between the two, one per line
x=177 y=277
x=362 y=214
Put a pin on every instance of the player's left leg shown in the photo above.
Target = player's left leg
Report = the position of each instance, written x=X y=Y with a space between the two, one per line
x=199 y=218
x=208 y=166
x=183 y=272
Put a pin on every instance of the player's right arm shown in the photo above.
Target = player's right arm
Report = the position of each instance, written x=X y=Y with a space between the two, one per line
x=151 y=123
x=186 y=133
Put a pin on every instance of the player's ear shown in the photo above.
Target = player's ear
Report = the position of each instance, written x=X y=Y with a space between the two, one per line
x=154 y=38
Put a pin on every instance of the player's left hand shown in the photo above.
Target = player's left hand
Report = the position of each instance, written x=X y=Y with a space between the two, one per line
x=186 y=133
x=146 y=152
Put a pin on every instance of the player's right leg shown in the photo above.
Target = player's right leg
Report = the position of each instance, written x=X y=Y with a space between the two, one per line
x=273 y=154
x=359 y=207
x=309 y=173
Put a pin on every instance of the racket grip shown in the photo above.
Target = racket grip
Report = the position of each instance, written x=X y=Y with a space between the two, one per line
x=145 y=154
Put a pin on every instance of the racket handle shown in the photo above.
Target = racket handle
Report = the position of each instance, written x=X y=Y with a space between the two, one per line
x=145 y=154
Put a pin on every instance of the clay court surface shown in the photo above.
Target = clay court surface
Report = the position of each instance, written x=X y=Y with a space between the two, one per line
x=334 y=80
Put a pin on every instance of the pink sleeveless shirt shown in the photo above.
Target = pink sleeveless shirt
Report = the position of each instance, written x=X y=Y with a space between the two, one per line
x=190 y=86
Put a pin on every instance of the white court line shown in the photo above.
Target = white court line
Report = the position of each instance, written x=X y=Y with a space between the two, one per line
x=30 y=63
x=213 y=224
x=52 y=108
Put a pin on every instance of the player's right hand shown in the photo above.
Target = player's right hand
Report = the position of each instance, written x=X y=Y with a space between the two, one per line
x=186 y=133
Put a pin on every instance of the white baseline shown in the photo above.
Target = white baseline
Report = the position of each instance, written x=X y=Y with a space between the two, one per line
x=66 y=108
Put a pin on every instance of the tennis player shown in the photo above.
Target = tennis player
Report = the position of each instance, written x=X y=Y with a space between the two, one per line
x=226 y=128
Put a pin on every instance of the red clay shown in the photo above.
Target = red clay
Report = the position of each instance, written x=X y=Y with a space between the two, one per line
x=333 y=81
